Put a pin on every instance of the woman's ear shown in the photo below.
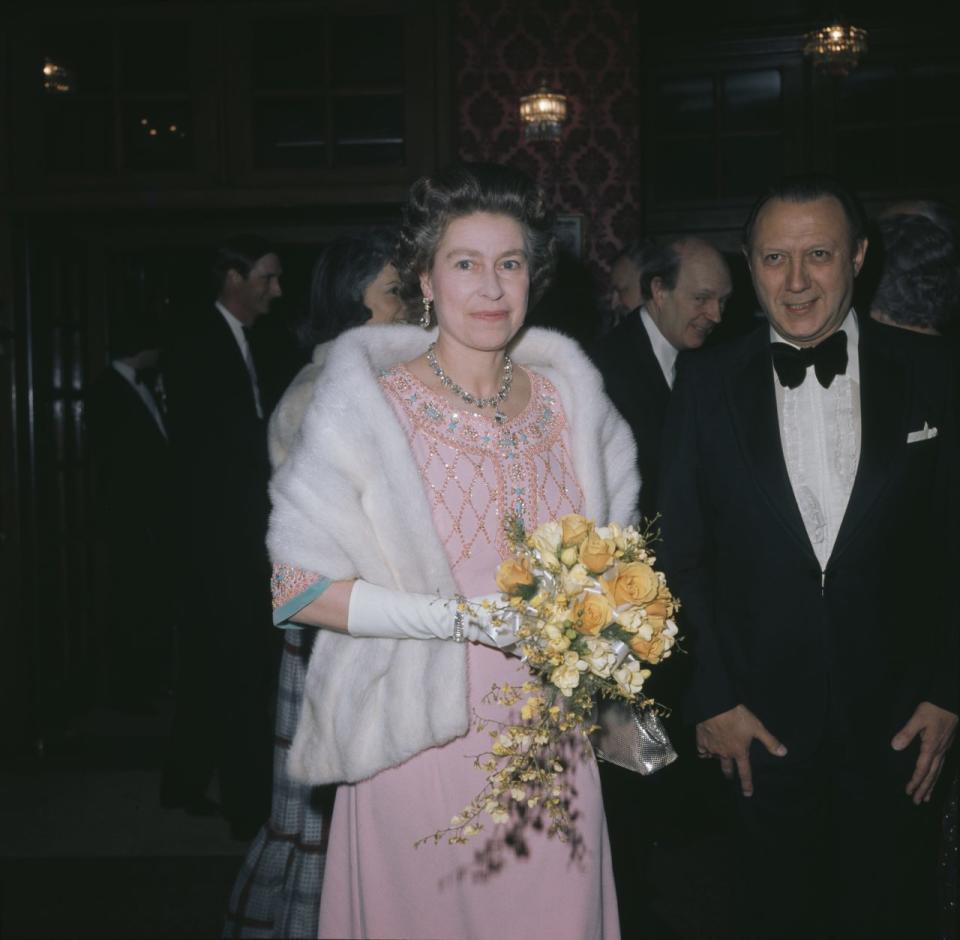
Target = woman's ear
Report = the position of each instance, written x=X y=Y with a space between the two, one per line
x=426 y=288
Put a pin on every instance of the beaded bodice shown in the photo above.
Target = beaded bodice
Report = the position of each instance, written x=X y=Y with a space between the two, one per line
x=476 y=471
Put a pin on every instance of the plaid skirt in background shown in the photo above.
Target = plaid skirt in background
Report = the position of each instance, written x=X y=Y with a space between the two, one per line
x=277 y=892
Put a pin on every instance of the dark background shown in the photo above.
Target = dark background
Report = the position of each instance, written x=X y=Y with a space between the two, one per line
x=301 y=120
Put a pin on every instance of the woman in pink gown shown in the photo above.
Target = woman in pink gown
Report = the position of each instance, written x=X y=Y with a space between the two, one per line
x=466 y=433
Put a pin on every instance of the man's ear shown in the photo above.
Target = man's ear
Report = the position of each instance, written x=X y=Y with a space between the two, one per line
x=657 y=289
x=859 y=254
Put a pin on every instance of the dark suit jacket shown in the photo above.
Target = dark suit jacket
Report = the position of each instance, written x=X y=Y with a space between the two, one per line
x=860 y=646
x=635 y=383
x=220 y=446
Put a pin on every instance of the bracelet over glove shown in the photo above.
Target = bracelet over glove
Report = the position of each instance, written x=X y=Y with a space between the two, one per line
x=383 y=612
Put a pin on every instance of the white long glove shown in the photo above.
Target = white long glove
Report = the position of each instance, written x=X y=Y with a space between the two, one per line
x=382 y=612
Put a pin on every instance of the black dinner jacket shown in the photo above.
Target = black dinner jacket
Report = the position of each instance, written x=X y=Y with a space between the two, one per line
x=634 y=381
x=219 y=447
x=856 y=648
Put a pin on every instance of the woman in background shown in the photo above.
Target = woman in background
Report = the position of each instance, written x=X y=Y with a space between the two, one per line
x=354 y=282
x=277 y=892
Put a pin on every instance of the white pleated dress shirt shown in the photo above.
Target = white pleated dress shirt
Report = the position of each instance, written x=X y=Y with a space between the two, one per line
x=820 y=436
x=662 y=348
x=236 y=327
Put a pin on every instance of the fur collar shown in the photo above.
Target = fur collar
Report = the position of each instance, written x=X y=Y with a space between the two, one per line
x=371 y=703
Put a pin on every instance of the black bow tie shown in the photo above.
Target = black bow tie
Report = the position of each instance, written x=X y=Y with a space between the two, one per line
x=829 y=359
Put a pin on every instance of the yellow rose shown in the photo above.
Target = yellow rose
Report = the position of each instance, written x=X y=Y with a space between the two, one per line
x=660 y=607
x=655 y=624
x=546 y=540
x=635 y=583
x=596 y=553
x=649 y=650
x=513 y=576
x=574 y=580
x=613 y=533
x=575 y=529
x=591 y=614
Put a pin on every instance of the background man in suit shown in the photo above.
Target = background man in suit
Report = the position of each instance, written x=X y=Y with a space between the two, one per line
x=809 y=520
x=678 y=291
x=130 y=459
x=224 y=373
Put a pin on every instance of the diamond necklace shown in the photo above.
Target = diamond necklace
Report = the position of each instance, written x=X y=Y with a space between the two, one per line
x=492 y=402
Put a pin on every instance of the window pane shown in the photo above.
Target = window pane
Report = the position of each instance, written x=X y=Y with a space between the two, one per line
x=77 y=134
x=368 y=130
x=868 y=95
x=932 y=155
x=685 y=105
x=366 y=50
x=750 y=164
x=85 y=50
x=933 y=91
x=155 y=58
x=157 y=135
x=751 y=101
x=684 y=170
x=287 y=55
x=869 y=158
x=290 y=133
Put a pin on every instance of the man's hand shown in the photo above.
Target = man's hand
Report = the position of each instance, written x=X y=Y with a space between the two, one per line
x=937 y=728
x=728 y=736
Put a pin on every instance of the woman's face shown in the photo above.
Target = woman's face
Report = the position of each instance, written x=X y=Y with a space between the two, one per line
x=479 y=281
x=382 y=297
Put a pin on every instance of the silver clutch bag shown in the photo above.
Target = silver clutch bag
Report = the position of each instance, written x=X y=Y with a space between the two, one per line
x=631 y=737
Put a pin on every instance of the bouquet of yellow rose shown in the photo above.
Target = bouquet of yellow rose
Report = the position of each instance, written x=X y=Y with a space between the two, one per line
x=591 y=616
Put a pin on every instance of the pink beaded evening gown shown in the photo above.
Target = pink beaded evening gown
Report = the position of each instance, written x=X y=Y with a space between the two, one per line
x=499 y=885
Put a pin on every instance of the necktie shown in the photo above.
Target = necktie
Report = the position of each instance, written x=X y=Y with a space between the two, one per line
x=829 y=359
x=252 y=370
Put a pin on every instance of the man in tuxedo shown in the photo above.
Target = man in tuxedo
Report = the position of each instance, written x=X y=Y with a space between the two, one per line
x=679 y=291
x=224 y=372
x=130 y=463
x=809 y=522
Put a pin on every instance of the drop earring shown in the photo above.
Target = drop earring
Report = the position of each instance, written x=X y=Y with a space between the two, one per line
x=425 y=316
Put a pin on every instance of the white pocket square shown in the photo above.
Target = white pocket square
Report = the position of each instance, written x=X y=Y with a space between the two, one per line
x=924 y=434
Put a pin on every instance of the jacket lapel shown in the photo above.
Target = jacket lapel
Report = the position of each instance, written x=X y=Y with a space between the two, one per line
x=754 y=406
x=233 y=368
x=646 y=366
x=884 y=410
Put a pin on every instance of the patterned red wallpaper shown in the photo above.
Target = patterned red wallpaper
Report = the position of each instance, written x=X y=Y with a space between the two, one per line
x=589 y=50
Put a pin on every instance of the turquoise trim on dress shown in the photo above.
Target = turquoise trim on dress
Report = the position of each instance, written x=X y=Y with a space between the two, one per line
x=282 y=615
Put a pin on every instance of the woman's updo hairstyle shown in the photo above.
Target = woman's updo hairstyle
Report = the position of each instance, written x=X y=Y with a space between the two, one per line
x=347 y=266
x=461 y=190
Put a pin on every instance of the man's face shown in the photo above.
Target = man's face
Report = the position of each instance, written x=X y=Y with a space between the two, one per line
x=254 y=293
x=625 y=284
x=803 y=262
x=687 y=314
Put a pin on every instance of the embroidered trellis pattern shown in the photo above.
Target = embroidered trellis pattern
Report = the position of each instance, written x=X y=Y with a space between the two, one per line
x=475 y=470
x=287 y=582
